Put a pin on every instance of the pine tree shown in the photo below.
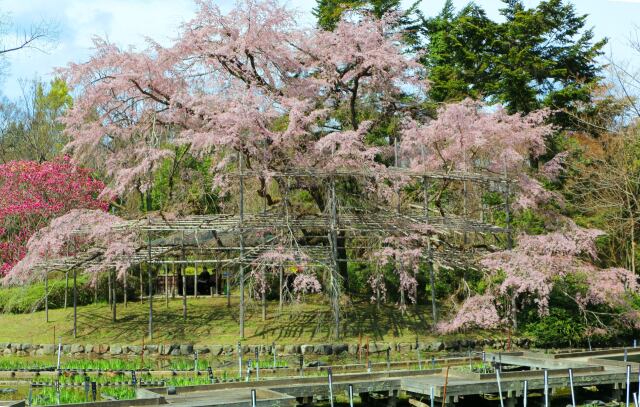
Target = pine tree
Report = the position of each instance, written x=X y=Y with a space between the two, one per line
x=458 y=54
x=538 y=57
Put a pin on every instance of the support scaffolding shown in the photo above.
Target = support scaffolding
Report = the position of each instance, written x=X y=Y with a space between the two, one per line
x=232 y=242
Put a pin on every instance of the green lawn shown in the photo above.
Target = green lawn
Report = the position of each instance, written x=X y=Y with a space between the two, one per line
x=209 y=321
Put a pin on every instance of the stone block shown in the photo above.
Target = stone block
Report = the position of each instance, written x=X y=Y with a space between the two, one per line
x=48 y=349
x=291 y=349
x=77 y=348
x=339 y=348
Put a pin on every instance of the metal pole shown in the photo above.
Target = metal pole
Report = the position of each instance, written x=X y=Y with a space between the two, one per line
x=499 y=388
x=335 y=288
x=638 y=381
x=124 y=286
x=573 y=394
x=628 y=398
x=75 y=305
x=195 y=280
x=166 y=286
x=240 y=163
x=524 y=393
x=351 y=395
x=184 y=279
x=274 y=351
x=546 y=388
x=330 y=386
x=150 y=286
x=257 y=363
x=431 y=396
x=507 y=208
x=425 y=208
x=114 y=297
x=254 y=401
x=240 y=360
x=59 y=352
x=46 y=296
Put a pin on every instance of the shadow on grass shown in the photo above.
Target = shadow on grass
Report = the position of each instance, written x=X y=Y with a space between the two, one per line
x=215 y=323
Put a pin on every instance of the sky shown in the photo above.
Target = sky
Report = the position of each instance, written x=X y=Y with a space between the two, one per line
x=129 y=22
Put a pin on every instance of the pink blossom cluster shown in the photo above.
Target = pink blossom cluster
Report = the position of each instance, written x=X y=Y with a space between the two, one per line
x=532 y=269
x=225 y=81
x=405 y=253
x=306 y=283
x=32 y=193
x=470 y=136
x=478 y=311
x=92 y=231
x=554 y=167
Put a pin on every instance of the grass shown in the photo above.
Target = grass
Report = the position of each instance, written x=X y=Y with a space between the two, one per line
x=210 y=321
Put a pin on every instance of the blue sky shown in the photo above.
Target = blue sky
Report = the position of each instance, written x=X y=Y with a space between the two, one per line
x=128 y=22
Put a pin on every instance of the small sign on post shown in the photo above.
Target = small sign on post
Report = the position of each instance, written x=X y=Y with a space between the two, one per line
x=134 y=379
x=94 y=391
x=210 y=372
x=195 y=362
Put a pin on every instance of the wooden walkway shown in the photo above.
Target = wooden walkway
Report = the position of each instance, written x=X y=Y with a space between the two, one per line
x=589 y=369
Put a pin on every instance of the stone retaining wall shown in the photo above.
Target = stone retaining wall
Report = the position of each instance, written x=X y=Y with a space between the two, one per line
x=26 y=349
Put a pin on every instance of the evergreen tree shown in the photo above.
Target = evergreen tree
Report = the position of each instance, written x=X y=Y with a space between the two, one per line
x=458 y=52
x=538 y=57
